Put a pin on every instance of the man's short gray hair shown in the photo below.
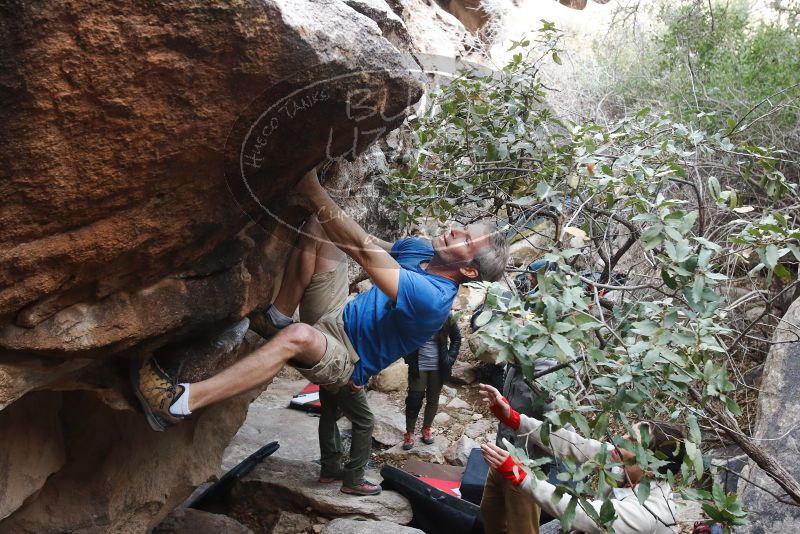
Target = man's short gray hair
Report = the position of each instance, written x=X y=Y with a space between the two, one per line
x=491 y=260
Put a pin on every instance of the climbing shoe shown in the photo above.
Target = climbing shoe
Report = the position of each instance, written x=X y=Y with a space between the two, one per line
x=329 y=480
x=362 y=488
x=427 y=436
x=262 y=325
x=408 y=441
x=156 y=391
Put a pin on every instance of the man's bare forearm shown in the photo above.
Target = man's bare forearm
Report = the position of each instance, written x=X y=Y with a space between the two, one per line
x=341 y=229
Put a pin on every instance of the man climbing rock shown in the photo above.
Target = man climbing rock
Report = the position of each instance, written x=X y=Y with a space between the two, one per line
x=415 y=282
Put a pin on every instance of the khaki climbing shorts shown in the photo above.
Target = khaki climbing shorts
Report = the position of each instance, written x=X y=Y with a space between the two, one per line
x=323 y=307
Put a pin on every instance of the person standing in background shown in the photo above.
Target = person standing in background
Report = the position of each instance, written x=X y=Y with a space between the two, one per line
x=428 y=369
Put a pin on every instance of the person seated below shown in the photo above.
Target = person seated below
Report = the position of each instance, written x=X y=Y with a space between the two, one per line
x=656 y=515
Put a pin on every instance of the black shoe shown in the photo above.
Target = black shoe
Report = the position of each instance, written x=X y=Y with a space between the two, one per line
x=156 y=391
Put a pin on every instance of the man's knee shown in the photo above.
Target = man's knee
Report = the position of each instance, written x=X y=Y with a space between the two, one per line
x=365 y=422
x=301 y=339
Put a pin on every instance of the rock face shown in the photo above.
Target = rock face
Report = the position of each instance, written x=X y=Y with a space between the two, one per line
x=393 y=378
x=778 y=413
x=389 y=423
x=291 y=485
x=145 y=203
x=350 y=526
x=189 y=521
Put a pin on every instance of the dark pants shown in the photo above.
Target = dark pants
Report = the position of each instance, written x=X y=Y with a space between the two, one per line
x=428 y=386
x=354 y=406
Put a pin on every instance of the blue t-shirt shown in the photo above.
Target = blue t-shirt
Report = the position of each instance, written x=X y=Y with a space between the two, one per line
x=382 y=331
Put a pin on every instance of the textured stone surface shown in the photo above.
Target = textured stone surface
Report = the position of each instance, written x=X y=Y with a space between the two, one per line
x=291 y=523
x=128 y=228
x=115 y=177
x=106 y=446
x=393 y=378
x=433 y=453
x=458 y=452
x=351 y=526
x=31 y=448
x=463 y=373
x=190 y=521
x=778 y=414
x=292 y=485
x=19 y=375
x=389 y=422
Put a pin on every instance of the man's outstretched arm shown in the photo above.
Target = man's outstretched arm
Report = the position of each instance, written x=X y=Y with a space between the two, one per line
x=368 y=251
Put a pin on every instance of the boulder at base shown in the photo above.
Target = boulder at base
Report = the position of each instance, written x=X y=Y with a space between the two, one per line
x=351 y=526
x=776 y=426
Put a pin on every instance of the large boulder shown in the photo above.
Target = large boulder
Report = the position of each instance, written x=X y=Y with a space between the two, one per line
x=352 y=526
x=291 y=485
x=146 y=202
x=190 y=521
x=777 y=431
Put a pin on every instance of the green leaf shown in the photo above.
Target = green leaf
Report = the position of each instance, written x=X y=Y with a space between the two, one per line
x=556 y=58
x=569 y=514
x=563 y=344
x=483 y=318
x=644 y=490
x=771 y=256
x=694 y=429
x=608 y=513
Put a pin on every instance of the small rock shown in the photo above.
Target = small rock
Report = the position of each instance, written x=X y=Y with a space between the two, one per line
x=463 y=373
x=458 y=404
x=191 y=521
x=317 y=528
x=477 y=416
x=479 y=428
x=442 y=419
x=291 y=523
x=389 y=422
x=429 y=453
x=393 y=378
x=442 y=400
x=450 y=392
x=352 y=526
x=458 y=453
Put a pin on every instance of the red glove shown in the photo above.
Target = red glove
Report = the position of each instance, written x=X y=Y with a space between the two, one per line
x=512 y=420
x=507 y=469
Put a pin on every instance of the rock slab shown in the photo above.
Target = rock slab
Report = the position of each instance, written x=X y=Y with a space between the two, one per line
x=350 y=526
x=778 y=414
x=292 y=485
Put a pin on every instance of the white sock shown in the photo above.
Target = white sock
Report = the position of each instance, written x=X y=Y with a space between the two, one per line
x=181 y=405
x=277 y=318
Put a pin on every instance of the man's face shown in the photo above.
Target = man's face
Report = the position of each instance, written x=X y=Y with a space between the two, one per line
x=459 y=244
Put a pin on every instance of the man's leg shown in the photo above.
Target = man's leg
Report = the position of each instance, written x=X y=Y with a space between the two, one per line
x=166 y=402
x=330 y=440
x=313 y=253
x=355 y=408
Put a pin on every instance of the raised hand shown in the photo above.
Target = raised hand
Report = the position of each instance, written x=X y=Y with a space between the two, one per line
x=494 y=455
x=497 y=403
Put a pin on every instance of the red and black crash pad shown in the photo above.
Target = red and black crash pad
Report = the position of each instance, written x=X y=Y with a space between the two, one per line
x=444 y=477
x=435 y=511
x=307 y=400
x=474 y=477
